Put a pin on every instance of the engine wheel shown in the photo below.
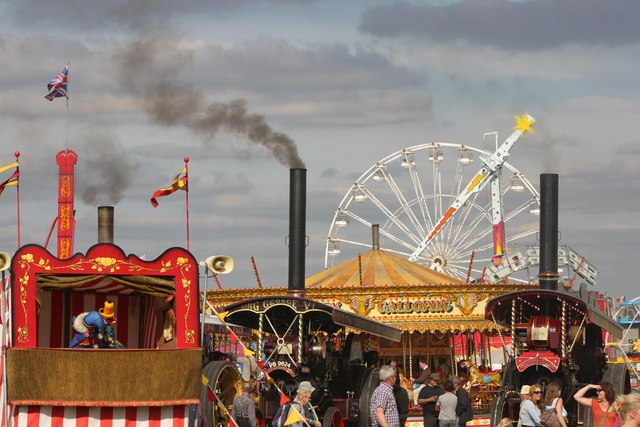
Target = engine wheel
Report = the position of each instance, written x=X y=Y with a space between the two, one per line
x=618 y=375
x=371 y=381
x=226 y=382
x=505 y=404
x=333 y=418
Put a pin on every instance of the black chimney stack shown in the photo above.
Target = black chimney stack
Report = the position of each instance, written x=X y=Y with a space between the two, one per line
x=548 y=274
x=297 y=230
x=105 y=224
x=375 y=236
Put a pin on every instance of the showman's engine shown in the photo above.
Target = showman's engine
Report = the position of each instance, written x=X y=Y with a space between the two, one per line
x=306 y=340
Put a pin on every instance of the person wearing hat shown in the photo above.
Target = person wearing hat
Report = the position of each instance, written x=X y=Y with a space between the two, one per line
x=302 y=404
x=91 y=326
x=427 y=398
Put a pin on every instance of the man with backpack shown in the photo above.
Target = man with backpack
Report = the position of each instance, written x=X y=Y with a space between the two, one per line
x=244 y=410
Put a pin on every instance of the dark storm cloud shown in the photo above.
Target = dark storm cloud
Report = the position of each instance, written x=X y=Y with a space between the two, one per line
x=528 y=25
x=302 y=69
x=97 y=14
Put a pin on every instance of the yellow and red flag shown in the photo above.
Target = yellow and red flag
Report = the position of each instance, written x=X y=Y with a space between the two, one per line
x=13 y=179
x=179 y=183
x=284 y=399
x=294 y=416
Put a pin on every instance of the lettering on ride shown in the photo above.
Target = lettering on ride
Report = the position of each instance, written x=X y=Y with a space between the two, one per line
x=546 y=359
x=279 y=364
x=431 y=305
x=260 y=306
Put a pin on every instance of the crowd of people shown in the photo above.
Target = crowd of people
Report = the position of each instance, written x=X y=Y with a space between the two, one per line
x=450 y=406
x=546 y=407
x=441 y=407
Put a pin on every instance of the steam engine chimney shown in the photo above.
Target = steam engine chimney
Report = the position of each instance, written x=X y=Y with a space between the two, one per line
x=105 y=224
x=548 y=274
x=297 y=230
x=375 y=236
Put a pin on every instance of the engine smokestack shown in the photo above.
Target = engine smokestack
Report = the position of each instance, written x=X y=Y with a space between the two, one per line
x=548 y=274
x=297 y=230
x=105 y=224
x=375 y=236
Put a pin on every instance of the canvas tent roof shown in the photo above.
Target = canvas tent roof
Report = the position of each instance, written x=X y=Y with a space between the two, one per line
x=377 y=268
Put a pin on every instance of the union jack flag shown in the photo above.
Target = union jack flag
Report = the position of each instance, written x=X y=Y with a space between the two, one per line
x=58 y=86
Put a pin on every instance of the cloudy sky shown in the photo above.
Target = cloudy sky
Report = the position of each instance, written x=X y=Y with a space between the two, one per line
x=247 y=89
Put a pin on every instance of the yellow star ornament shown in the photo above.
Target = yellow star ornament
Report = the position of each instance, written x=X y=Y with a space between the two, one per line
x=524 y=123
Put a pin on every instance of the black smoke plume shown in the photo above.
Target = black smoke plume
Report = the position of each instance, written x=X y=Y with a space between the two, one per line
x=105 y=169
x=144 y=66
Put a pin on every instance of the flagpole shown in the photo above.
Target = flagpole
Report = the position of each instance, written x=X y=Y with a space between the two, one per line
x=68 y=115
x=17 y=153
x=186 y=174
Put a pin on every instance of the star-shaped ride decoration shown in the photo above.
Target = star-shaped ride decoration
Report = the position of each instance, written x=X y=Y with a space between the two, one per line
x=524 y=123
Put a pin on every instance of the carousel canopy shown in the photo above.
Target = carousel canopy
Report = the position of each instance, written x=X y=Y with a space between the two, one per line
x=377 y=268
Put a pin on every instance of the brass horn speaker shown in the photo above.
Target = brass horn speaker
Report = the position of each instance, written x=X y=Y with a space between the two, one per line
x=219 y=264
x=5 y=261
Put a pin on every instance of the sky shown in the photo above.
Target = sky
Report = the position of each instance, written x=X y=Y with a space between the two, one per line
x=248 y=89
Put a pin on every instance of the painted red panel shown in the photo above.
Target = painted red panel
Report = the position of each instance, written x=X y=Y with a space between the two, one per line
x=108 y=259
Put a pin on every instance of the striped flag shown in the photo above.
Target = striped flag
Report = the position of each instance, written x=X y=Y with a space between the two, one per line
x=13 y=179
x=179 y=183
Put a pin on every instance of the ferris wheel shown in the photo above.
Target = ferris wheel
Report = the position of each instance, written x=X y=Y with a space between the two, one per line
x=432 y=207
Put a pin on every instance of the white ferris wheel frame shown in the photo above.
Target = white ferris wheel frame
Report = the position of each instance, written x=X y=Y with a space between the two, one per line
x=418 y=196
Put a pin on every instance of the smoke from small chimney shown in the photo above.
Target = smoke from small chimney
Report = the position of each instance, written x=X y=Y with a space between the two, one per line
x=105 y=224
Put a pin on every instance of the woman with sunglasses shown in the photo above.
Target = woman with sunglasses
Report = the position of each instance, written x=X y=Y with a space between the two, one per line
x=530 y=408
x=603 y=413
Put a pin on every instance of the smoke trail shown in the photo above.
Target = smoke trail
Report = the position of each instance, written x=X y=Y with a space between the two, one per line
x=144 y=67
x=110 y=170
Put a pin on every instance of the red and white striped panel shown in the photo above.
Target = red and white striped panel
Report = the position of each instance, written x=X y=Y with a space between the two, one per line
x=82 y=416
x=129 y=316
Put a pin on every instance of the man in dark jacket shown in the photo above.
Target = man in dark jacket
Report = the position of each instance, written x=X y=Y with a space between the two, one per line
x=401 y=396
x=422 y=380
x=463 y=409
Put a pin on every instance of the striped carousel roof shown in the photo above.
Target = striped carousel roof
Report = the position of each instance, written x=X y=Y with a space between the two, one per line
x=377 y=268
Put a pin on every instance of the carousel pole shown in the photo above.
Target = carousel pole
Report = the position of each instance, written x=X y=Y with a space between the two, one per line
x=410 y=333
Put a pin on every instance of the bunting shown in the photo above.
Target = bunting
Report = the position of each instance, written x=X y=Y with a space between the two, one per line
x=293 y=417
x=179 y=183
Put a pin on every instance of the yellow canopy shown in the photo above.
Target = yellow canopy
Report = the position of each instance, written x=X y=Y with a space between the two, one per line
x=378 y=268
